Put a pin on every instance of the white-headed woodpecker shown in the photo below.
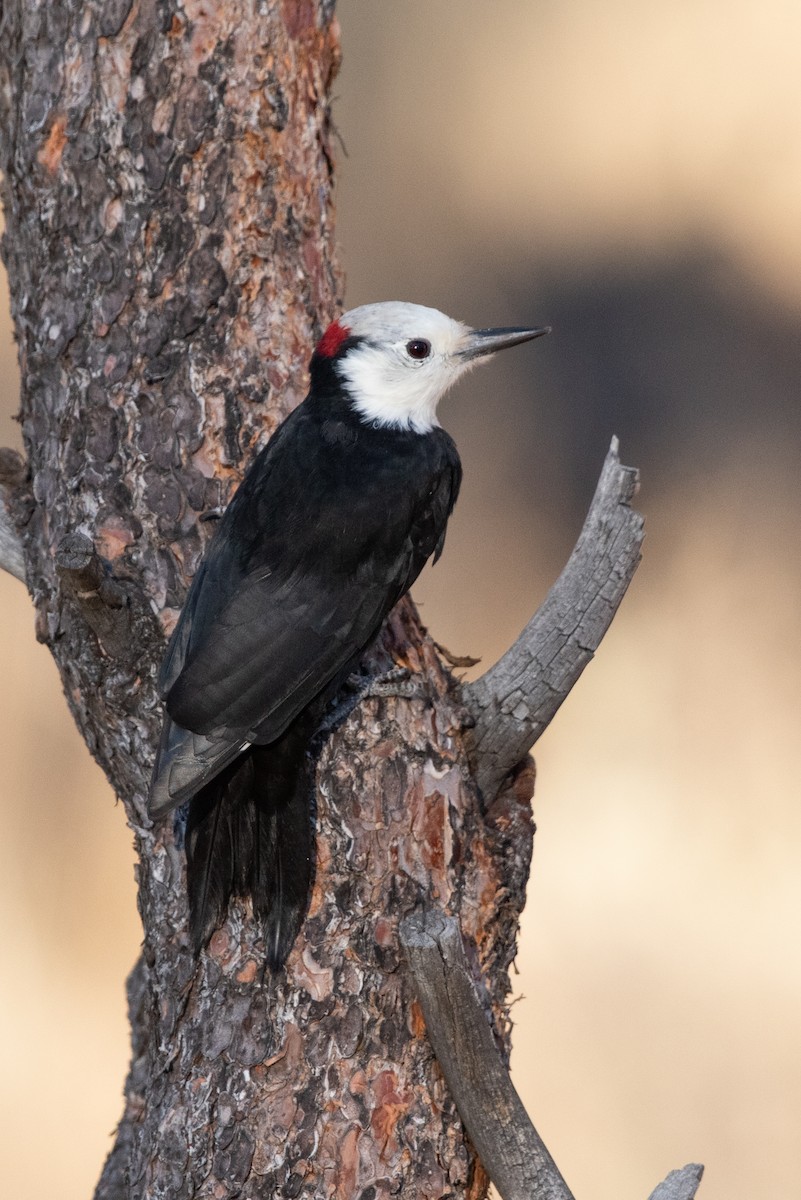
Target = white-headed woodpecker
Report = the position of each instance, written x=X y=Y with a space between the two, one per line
x=331 y=525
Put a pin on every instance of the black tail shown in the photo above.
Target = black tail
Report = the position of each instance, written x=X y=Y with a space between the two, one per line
x=250 y=833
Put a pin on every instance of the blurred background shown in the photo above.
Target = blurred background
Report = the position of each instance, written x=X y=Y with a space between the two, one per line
x=631 y=174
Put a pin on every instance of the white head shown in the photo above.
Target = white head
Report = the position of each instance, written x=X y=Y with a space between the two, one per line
x=406 y=358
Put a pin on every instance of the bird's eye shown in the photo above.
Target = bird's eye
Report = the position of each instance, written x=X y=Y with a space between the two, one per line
x=418 y=348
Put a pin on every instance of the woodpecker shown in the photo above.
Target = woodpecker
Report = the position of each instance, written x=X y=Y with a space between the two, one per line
x=329 y=528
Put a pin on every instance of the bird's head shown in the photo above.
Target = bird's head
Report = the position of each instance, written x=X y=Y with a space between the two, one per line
x=397 y=360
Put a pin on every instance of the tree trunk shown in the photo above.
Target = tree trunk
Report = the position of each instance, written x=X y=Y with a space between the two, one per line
x=167 y=189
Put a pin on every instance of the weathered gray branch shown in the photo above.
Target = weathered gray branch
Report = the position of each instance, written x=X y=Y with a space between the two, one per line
x=679 y=1185
x=11 y=557
x=511 y=1151
x=515 y=700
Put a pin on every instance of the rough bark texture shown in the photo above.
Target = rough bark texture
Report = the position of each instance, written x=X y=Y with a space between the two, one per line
x=167 y=189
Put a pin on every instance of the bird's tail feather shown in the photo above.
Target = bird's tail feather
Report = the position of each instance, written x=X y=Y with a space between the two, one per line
x=283 y=859
x=218 y=840
x=250 y=833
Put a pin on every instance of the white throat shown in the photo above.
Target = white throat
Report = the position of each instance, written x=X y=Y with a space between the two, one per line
x=405 y=401
x=386 y=386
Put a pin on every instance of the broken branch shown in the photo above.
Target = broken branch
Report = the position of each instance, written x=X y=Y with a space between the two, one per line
x=511 y=1151
x=679 y=1185
x=12 y=472
x=103 y=602
x=515 y=700
x=11 y=556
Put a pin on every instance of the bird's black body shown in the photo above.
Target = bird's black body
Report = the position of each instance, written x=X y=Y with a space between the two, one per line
x=330 y=527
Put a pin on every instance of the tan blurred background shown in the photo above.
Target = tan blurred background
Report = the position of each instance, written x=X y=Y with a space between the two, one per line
x=631 y=174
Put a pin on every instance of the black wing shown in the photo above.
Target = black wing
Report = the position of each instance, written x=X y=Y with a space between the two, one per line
x=275 y=645
x=295 y=585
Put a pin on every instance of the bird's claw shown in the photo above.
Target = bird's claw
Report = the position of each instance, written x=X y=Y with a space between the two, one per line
x=398 y=681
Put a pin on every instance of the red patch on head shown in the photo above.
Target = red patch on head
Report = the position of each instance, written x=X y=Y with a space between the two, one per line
x=332 y=339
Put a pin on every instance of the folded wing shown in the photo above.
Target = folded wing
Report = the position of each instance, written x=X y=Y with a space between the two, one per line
x=268 y=624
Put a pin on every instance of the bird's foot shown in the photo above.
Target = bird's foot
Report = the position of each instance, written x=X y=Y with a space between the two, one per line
x=399 y=681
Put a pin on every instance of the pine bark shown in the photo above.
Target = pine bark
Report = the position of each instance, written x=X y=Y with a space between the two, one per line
x=167 y=184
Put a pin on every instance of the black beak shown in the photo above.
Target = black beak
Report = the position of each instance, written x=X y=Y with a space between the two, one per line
x=487 y=341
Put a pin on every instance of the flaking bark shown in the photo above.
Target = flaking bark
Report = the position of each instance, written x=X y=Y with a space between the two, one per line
x=167 y=189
